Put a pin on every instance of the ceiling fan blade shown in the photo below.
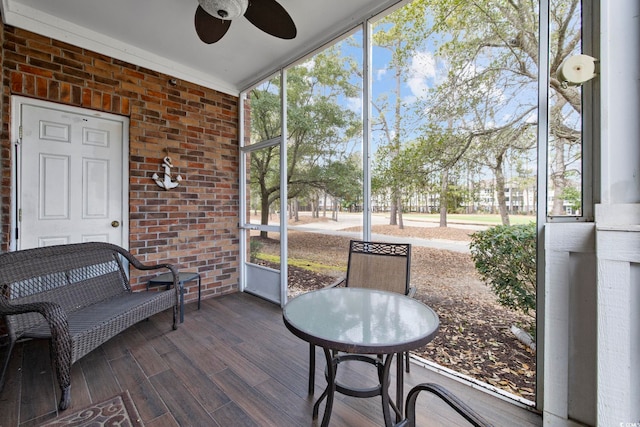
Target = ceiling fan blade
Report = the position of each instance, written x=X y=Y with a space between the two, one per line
x=272 y=18
x=209 y=28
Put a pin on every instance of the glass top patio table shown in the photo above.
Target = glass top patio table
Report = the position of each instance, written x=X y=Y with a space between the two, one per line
x=362 y=321
x=357 y=320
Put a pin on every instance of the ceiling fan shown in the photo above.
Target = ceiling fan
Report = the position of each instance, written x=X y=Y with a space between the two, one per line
x=213 y=18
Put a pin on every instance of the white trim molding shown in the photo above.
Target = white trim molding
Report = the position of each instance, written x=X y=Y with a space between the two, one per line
x=570 y=324
x=618 y=249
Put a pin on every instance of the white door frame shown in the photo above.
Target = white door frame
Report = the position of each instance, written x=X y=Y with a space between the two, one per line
x=245 y=227
x=268 y=283
x=15 y=137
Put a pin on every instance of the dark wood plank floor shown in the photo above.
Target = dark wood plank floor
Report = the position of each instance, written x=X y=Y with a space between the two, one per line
x=232 y=363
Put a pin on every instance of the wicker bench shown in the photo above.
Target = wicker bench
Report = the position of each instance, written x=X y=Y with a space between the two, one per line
x=77 y=296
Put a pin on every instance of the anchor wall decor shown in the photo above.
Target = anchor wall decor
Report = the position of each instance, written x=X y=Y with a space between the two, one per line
x=167 y=183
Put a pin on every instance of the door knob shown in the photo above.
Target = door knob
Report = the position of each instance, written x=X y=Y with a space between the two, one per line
x=115 y=224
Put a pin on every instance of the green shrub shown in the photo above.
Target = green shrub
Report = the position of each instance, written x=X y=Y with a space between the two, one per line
x=505 y=257
x=255 y=246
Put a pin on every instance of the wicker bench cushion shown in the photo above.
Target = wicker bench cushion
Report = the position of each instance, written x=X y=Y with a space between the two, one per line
x=91 y=326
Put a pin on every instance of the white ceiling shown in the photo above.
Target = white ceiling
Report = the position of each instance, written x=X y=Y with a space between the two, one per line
x=160 y=34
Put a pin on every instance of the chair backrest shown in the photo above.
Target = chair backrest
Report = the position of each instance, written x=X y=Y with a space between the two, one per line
x=378 y=265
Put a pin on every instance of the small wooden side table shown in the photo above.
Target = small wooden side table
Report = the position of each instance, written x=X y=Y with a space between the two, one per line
x=166 y=279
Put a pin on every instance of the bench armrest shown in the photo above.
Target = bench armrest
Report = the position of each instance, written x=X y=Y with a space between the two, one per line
x=140 y=266
x=49 y=310
x=61 y=345
x=53 y=313
x=145 y=267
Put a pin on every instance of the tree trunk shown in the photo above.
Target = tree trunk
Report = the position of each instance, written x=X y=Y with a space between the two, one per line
x=444 y=188
x=264 y=214
x=296 y=208
x=393 y=210
x=558 y=177
x=396 y=206
x=400 y=220
x=559 y=172
x=500 y=186
x=324 y=206
x=315 y=206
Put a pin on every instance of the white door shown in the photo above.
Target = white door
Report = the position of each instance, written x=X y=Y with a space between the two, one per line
x=71 y=176
x=268 y=282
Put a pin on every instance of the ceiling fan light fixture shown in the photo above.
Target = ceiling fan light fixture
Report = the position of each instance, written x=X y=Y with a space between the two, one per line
x=225 y=9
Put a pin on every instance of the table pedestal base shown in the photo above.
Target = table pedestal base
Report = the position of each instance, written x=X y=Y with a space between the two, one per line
x=383 y=366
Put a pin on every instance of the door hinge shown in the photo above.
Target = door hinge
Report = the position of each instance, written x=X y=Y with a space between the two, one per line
x=19 y=221
x=20 y=133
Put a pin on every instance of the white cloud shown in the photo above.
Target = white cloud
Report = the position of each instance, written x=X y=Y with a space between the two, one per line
x=381 y=73
x=421 y=71
x=309 y=64
x=354 y=104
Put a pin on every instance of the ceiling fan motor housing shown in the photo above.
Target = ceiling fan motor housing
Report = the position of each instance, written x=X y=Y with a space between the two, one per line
x=225 y=9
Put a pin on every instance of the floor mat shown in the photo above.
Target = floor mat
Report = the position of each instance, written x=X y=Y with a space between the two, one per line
x=116 y=411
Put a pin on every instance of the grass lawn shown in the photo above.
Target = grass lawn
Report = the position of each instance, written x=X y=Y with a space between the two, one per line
x=488 y=219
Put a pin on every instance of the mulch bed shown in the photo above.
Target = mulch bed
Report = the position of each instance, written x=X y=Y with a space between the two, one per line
x=474 y=337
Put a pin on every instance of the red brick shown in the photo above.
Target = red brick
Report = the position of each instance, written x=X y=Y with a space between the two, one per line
x=42 y=87
x=35 y=71
x=196 y=124
x=132 y=73
x=44 y=47
x=29 y=85
x=96 y=100
x=86 y=98
x=104 y=66
x=16 y=82
x=14 y=57
x=106 y=102
x=54 y=90
x=76 y=95
x=125 y=106
x=66 y=46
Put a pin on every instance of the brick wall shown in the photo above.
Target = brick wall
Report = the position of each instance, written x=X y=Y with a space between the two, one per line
x=195 y=225
x=5 y=164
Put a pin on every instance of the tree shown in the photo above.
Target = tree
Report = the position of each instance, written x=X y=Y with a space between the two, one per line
x=318 y=126
x=399 y=33
x=343 y=182
x=435 y=152
x=264 y=102
x=492 y=46
x=492 y=150
x=574 y=198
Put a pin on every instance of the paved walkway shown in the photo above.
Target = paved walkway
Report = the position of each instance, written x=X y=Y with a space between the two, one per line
x=345 y=220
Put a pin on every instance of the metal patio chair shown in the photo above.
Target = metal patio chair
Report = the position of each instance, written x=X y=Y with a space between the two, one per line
x=374 y=265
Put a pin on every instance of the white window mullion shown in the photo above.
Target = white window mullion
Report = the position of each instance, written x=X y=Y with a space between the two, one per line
x=366 y=134
x=542 y=186
x=283 y=190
